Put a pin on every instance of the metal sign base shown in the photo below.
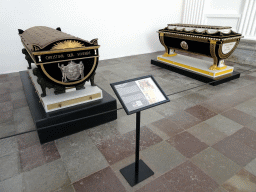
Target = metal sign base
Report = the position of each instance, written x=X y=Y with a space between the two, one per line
x=129 y=174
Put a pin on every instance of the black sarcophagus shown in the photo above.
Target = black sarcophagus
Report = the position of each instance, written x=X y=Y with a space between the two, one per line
x=62 y=60
x=218 y=42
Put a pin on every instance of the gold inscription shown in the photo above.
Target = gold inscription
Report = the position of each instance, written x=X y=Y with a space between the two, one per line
x=54 y=57
x=83 y=53
x=70 y=55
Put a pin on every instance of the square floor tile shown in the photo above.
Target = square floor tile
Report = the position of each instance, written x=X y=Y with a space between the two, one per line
x=31 y=157
x=242 y=181
x=8 y=145
x=9 y=166
x=187 y=144
x=103 y=132
x=13 y=184
x=251 y=167
x=119 y=147
x=80 y=156
x=50 y=152
x=248 y=107
x=206 y=133
x=103 y=180
x=184 y=119
x=246 y=136
x=28 y=140
x=223 y=124
x=238 y=116
x=218 y=166
x=149 y=116
x=168 y=127
x=48 y=177
x=188 y=177
x=235 y=150
x=158 y=185
x=162 y=157
x=201 y=112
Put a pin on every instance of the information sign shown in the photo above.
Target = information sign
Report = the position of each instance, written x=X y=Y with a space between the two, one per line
x=139 y=94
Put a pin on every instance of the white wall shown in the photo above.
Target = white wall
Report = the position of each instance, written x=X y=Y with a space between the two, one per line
x=239 y=14
x=122 y=27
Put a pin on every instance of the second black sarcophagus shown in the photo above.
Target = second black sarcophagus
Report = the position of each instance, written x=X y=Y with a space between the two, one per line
x=62 y=60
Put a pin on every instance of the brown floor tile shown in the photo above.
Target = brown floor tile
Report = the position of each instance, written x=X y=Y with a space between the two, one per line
x=184 y=119
x=119 y=147
x=31 y=157
x=201 y=112
x=235 y=150
x=158 y=185
x=238 y=116
x=246 y=136
x=50 y=152
x=187 y=144
x=5 y=97
x=168 y=127
x=28 y=140
x=189 y=178
x=103 y=180
x=241 y=182
x=218 y=104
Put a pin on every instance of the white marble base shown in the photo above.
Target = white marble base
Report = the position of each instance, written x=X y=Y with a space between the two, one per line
x=195 y=65
x=52 y=102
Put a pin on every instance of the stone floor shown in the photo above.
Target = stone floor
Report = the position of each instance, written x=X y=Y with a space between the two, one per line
x=203 y=140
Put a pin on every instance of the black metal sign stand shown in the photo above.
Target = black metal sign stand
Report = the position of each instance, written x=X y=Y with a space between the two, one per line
x=138 y=171
x=124 y=90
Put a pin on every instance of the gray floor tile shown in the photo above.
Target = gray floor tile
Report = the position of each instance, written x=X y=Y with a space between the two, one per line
x=223 y=124
x=9 y=166
x=251 y=167
x=80 y=155
x=48 y=177
x=162 y=157
x=207 y=133
x=8 y=146
x=216 y=165
x=248 y=107
x=14 y=184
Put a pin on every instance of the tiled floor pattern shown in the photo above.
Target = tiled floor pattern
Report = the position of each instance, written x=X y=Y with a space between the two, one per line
x=203 y=140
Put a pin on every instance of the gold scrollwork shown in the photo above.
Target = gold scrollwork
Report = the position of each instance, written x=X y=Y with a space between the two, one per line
x=162 y=42
x=70 y=83
x=224 y=56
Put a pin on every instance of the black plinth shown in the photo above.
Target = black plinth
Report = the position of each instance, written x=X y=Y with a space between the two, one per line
x=224 y=79
x=130 y=175
x=70 y=120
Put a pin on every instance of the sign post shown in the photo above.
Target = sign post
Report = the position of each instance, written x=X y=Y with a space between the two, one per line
x=136 y=95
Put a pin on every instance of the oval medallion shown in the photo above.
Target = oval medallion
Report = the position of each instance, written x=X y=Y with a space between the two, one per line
x=184 y=45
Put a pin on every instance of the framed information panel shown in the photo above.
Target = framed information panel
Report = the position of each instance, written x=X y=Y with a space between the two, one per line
x=139 y=94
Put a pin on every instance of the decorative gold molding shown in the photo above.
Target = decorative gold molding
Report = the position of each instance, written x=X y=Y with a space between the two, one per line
x=70 y=83
x=66 y=60
x=65 y=50
x=169 y=55
x=162 y=42
x=224 y=56
x=73 y=101
x=212 y=51
x=195 y=69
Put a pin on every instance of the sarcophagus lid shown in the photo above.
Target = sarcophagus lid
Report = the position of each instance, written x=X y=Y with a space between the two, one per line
x=63 y=58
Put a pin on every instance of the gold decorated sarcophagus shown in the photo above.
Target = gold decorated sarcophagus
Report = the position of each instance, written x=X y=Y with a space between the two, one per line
x=61 y=60
x=217 y=42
